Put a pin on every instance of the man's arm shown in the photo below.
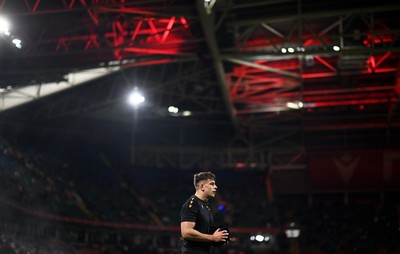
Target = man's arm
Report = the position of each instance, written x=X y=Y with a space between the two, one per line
x=191 y=234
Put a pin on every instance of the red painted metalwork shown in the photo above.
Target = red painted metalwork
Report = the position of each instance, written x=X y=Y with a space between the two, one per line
x=377 y=39
x=326 y=63
x=134 y=31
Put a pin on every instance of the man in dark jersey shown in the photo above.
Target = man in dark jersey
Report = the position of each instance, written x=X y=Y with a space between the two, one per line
x=197 y=218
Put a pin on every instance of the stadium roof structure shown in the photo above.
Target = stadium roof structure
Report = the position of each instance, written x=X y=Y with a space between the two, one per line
x=256 y=82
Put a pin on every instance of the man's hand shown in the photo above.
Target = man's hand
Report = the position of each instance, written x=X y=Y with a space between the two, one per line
x=220 y=235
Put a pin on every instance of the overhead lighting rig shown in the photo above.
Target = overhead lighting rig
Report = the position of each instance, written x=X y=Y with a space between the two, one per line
x=7 y=35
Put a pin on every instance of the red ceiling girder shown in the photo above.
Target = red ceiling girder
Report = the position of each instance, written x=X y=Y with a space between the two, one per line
x=141 y=34
x=168 y=29
x=351 y=97
x=130 y=10
x=319 y=59
x=252 y=85
x=256 y=86
x=322 y=100
x=347 y=126
x=92 y=12
x=146 y=32
x=122 y=40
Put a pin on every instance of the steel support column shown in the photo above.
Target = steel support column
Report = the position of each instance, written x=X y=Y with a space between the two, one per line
x=208 y=29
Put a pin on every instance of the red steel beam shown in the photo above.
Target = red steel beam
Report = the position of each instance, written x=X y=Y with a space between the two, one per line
x=168 y=29
x=155 y=51
x=352 y=102
x=92 y=13
x=341 y=91
x=130 y=10
x=349 y=97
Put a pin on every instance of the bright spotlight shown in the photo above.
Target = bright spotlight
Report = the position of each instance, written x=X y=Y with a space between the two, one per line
x=17 y=43
x=292 y=233
x=259 y=238
x=283 y=50
x=186 y=113
x=294 y=104
x=4 y=26
x=173 y=109
x=135 y=98
x=336 y=48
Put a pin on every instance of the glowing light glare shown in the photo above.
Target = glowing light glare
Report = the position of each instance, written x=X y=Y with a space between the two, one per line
x=5 y=29
x=135 y=98
x=336 y=48
x=4 y=26
x=291 y=105
x=294 y=105
x=292 y=233
x=186 y=113
x=17 y=43
x=291 y=50
x=173 y=109
x=283 y=50
x=259 y=238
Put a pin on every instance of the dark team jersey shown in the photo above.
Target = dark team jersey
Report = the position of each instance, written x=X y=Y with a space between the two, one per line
x=198 y=211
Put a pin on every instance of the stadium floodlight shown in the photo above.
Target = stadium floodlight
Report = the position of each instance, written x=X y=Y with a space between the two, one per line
x=292 y=233
x=17 y=43
x=4 y=26
x=258 y=238
x=173 y=109
x=135 y=98
x=295 y=104
x=5 y=30
x=186 y=113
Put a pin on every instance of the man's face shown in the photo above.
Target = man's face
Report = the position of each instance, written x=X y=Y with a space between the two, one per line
x=209 y=187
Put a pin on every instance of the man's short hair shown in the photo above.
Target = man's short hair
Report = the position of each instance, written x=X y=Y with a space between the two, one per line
x=202 y=176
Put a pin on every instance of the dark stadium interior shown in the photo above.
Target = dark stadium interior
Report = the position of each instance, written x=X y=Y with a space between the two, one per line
x=293 y=104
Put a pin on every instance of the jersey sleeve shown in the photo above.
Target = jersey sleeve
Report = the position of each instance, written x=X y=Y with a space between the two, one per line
x=190 y=211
